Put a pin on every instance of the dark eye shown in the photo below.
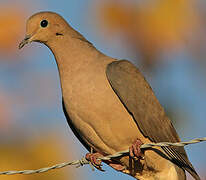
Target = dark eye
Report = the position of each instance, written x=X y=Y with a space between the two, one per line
x=44 y=23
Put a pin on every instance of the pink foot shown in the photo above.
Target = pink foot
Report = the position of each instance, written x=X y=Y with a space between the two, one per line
x=93 y=158
x=135 y=151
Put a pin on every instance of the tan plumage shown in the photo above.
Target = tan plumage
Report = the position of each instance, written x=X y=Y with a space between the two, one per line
x=108 y=103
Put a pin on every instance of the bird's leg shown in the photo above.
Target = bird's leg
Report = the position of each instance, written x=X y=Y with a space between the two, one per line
x=93 y=158
x=135 y=150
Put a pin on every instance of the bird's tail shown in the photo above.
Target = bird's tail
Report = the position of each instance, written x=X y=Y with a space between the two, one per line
x=193 y=173
x=180 y=158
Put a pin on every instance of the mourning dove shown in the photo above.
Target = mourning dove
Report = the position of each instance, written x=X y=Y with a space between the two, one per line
x=109 y=105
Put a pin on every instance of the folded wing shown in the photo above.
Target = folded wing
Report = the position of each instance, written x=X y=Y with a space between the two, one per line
x=138 y=98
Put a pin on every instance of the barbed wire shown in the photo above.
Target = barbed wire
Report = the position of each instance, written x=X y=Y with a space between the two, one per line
x=84 y=161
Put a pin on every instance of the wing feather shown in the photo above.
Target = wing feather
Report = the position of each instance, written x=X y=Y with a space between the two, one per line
x=140 y=101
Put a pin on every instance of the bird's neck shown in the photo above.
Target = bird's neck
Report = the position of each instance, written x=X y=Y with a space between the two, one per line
x=75 y=58
x=72 y=54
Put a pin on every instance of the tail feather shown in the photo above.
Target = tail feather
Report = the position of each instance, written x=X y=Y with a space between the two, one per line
x=181 y=160
x=193 y=173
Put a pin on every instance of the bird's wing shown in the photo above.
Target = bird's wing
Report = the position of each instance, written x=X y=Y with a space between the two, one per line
x=138 y=98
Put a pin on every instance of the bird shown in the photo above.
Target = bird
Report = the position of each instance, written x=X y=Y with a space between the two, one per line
x=109 y=105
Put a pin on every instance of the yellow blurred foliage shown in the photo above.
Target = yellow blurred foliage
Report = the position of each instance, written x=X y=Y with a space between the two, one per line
x=37 y=153
x=12 y=24
x=150 y=25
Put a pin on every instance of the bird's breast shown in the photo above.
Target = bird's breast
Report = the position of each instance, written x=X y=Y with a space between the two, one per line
x=97 y=113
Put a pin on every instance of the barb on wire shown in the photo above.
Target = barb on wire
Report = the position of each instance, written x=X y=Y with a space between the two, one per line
x=83 y=161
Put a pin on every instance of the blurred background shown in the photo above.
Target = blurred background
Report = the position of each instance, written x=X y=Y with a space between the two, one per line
x=165 y=39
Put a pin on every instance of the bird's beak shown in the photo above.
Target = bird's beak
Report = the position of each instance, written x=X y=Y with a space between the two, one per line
x=25 y=41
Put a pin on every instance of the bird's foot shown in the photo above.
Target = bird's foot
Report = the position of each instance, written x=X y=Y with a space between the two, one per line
x=135 y=150
x=93 y=159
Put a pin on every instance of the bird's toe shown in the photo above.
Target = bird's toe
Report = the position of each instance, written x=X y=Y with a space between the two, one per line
x=135 y=150
x=93 y=158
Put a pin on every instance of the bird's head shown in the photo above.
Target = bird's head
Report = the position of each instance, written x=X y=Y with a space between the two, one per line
x=44 y=27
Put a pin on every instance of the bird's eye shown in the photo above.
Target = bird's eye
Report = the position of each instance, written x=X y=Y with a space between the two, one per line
x=44 y=23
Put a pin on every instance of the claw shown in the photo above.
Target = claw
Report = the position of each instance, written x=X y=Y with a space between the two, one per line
x=93 y=158
x=135 y=150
